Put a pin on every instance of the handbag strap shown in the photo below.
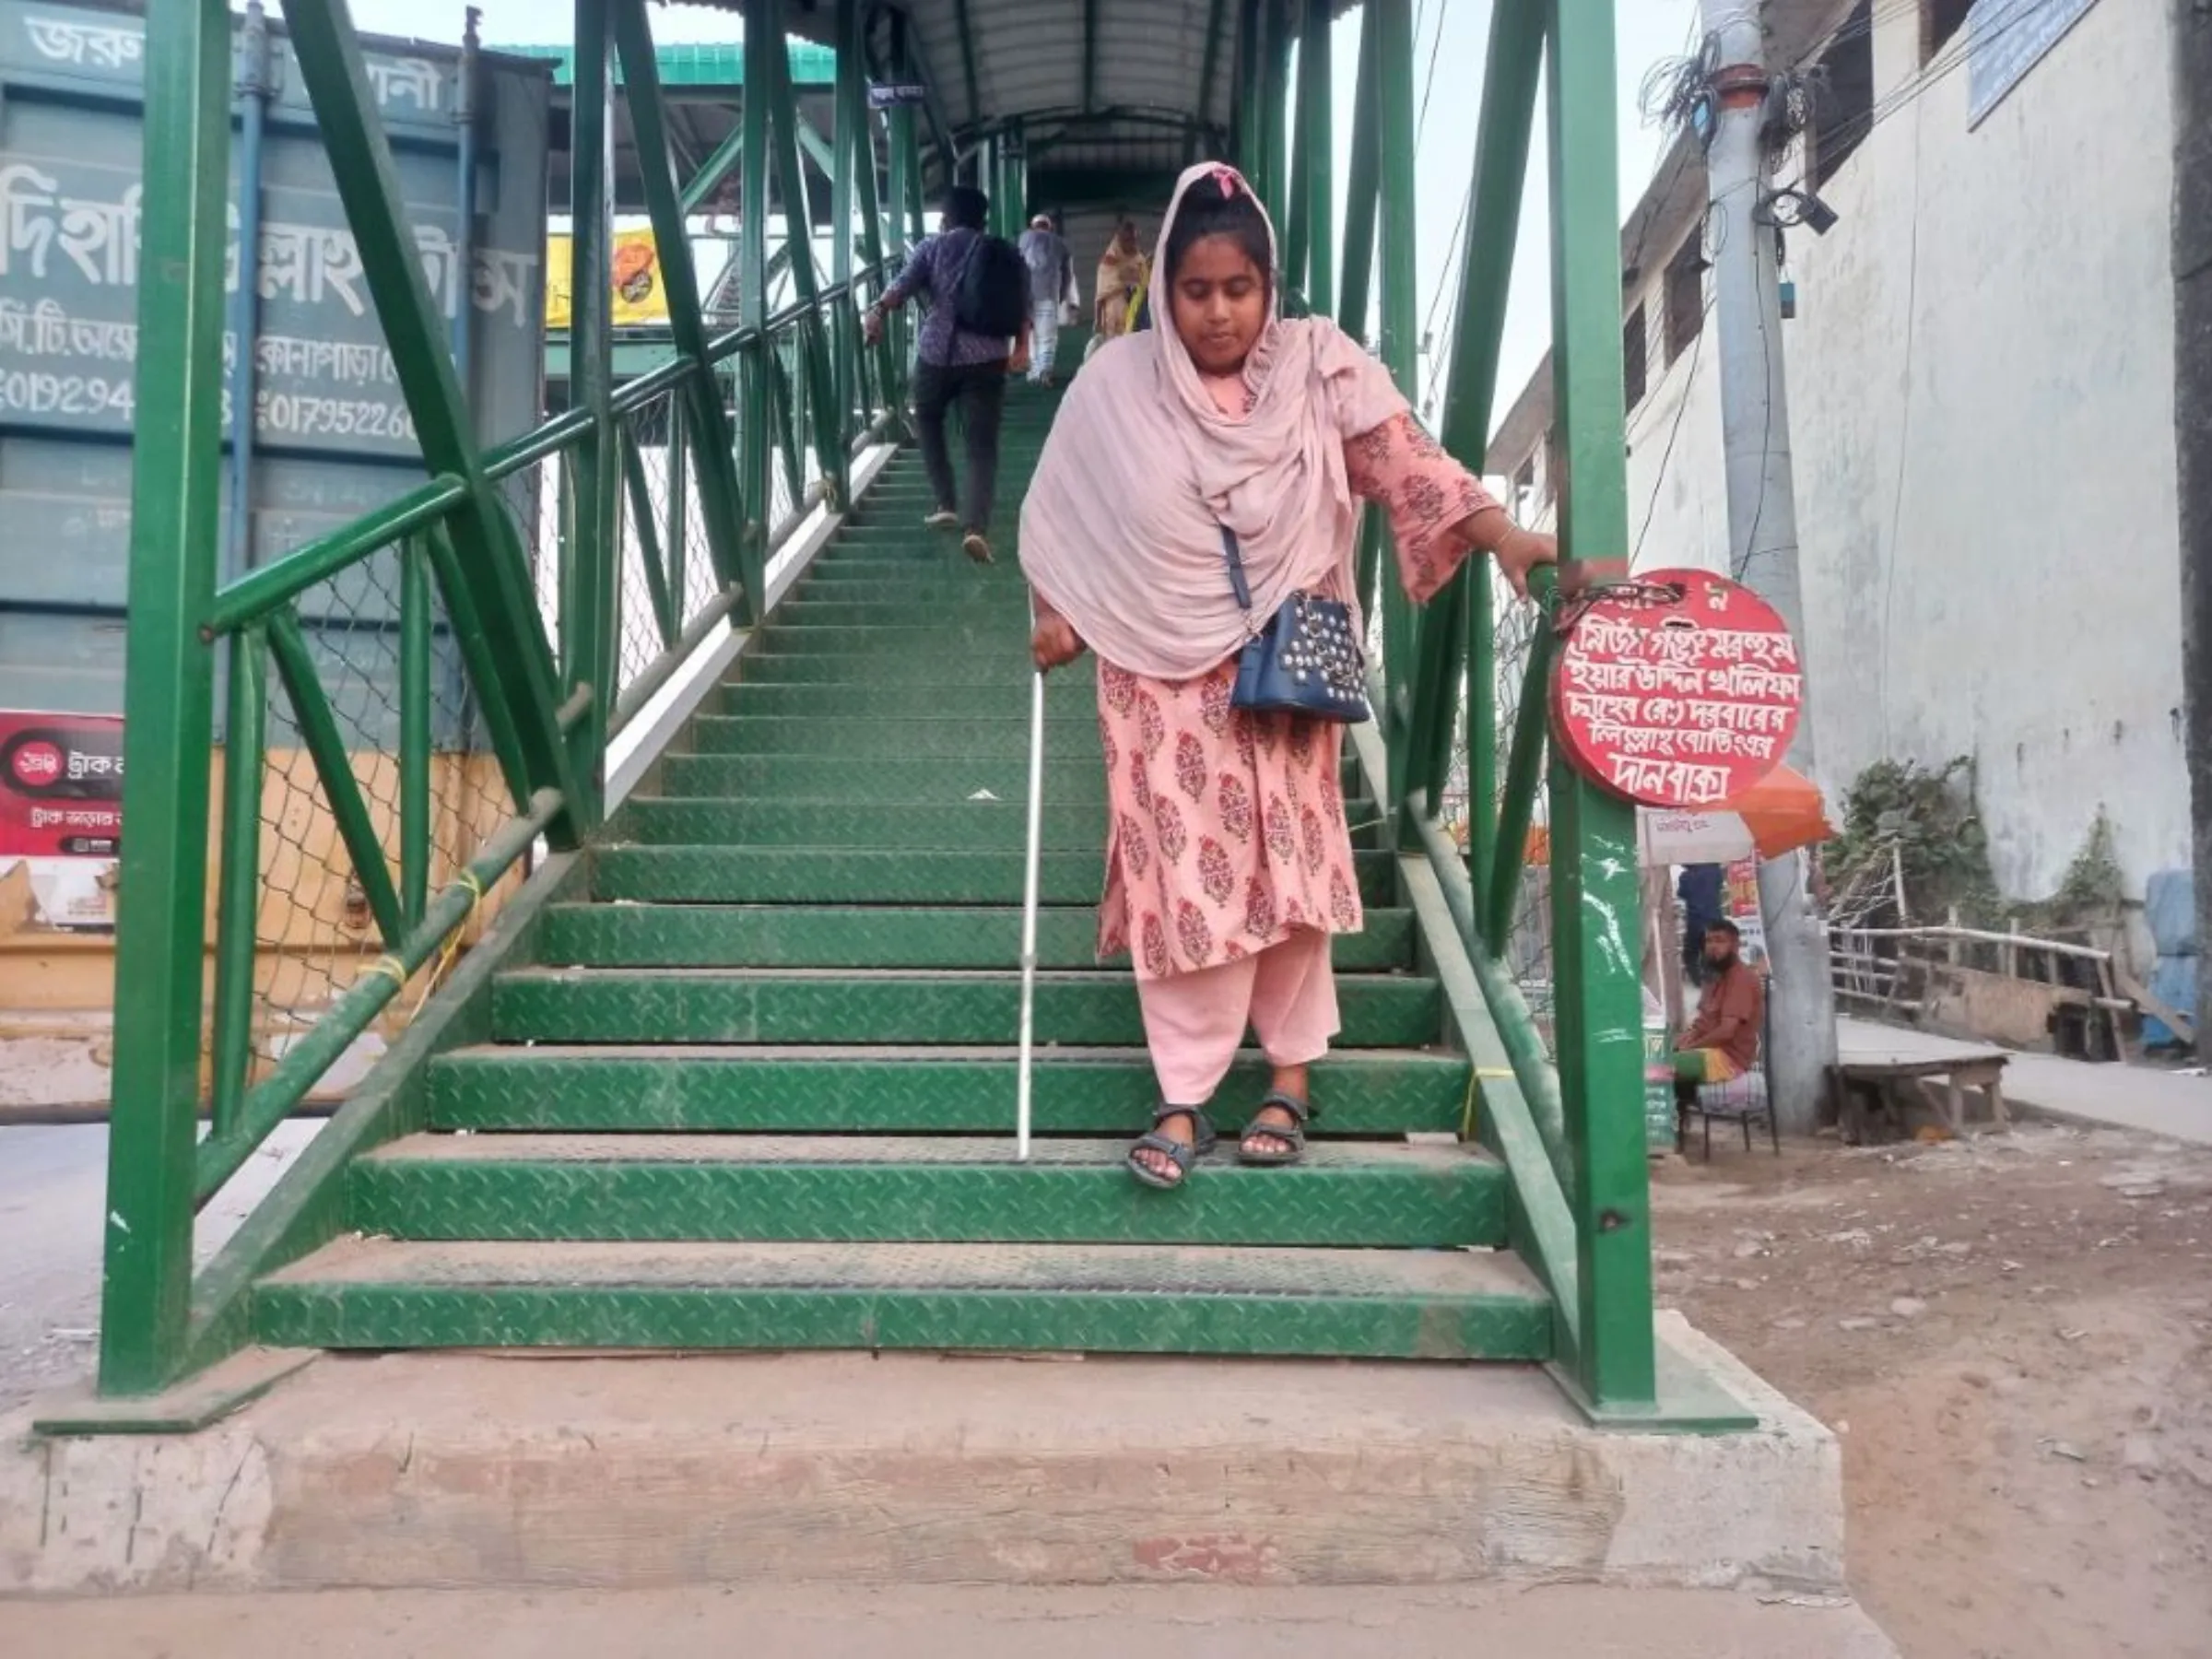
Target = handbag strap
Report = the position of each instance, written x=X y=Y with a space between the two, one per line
x=1234 y=560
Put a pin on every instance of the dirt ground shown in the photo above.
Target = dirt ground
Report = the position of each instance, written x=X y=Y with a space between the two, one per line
x=2013 y=1336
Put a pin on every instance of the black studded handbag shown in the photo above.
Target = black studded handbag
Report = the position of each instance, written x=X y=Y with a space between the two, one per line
x=1304 y=660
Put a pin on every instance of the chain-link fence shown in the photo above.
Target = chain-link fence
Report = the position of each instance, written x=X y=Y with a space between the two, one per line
x=384 y=694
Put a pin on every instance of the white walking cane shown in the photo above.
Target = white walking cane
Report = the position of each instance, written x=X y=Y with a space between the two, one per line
x=1029 y=902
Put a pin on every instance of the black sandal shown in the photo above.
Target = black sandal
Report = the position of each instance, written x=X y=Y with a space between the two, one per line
x=1292 y=1133
x=1182 y=1156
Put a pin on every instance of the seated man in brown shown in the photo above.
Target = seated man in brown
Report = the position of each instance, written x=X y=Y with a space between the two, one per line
x=1722 y=1041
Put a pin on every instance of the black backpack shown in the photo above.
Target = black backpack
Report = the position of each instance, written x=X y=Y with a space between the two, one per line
x=991 y=297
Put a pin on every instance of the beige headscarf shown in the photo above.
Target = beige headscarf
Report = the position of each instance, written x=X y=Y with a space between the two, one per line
x=1120 y=532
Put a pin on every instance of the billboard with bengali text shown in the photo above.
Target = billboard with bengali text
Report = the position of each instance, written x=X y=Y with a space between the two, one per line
x=333 y=438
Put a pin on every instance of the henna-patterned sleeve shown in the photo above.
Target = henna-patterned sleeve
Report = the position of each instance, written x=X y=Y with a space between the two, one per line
x=1406 y=472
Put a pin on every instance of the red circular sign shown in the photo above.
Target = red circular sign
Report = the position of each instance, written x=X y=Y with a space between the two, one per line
x=1682 y=688
x=36 y=764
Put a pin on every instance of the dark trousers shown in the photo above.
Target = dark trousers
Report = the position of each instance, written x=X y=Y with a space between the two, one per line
x=980 y=390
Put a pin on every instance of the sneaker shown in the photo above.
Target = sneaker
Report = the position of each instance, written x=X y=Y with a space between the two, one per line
x=943 y=518
x=976 y=547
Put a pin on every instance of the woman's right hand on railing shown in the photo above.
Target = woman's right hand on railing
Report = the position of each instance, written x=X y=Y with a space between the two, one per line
x=1054 y=644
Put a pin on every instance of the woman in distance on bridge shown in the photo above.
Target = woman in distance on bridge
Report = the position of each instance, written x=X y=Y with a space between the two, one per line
x=1229 y=862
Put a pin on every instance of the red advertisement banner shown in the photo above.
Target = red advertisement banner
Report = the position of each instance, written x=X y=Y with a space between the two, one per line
x=60 y=786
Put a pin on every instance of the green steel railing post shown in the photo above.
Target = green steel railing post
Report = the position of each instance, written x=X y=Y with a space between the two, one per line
x=1317 y=137
x=325 y=740
x=238 y=898
x=1498 y=885
x=168 y=696
x=1513 y=70
x=493 y=559
x=1275 y=109
x=849 y=111
x=755 y=452
x=680 y=571
x=590 y=550
x=1250 y=124
x=830 y=454
x=416 y=733
x=1090 y=56
x=862 y=144
x=1363 y=188
x=712 y=172
x=720 y=491
x=903 y=157
x=1402 y=624
x=667 y=615
x=1596 y=905
x=967 y=27
x=1297 y=187
x=1462 y=616
x=1209 y=67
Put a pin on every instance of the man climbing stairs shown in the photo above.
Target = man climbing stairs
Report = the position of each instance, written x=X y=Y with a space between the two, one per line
x=753 y=1085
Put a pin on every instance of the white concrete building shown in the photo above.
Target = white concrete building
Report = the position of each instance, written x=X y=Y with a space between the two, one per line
x=1982 y=408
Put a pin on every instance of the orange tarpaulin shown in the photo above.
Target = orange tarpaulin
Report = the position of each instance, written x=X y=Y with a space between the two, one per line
x=1782 y=813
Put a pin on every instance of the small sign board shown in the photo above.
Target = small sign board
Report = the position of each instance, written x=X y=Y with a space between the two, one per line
x=61 y=813
x=889 y=94
x=2004 y=40
x=1680 y=690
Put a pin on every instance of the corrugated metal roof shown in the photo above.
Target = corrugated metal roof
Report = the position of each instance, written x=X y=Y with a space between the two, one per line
x=698 y=66
x=1028 y=61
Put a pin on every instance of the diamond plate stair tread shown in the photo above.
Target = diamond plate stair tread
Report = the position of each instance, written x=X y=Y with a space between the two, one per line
x=985 y=1151
x=711 y=874
x=1149 y=1269
x=1445 y=1305
x=871 y=738
x=823 y=777
x=908 y=1189
x=1069 y=826
x=789 y=667
x=864 y=1005
x=712 y=935
x=842 y=1090
x=1075 y=701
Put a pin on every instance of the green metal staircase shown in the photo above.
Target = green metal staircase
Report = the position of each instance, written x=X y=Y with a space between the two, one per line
x=754 y=1088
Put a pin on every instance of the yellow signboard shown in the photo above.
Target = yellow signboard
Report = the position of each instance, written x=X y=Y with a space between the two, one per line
x=639 y=301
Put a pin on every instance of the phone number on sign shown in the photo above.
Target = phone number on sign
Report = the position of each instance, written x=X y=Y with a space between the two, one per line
x=26 y=392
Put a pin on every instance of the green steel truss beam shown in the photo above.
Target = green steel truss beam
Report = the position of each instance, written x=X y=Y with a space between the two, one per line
x=1596 y=906
x=1316 y=132
x=975 y=92
x=1392 y=23
x=1363 y=189
x=830 y=454
x=713 y=170
x=706 y=424
x=1209 y=67
x=169 y=689
x=1463 y=613
x=492 y=559
x=1090 y=51
x=588 y=595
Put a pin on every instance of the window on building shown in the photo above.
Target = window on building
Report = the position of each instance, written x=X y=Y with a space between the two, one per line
x=1843 y=106
x=1524 y=491
x=1685 y=295
x=1634 y=350
x=1939 y=20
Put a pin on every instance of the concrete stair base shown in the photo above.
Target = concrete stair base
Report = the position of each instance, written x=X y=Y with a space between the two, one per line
x=639 y=1472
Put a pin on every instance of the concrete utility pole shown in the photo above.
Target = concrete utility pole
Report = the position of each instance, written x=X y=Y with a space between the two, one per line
x=2192 y=438
x=1762 y=525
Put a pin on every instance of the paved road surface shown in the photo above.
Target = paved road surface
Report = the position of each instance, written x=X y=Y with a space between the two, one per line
x=53 y=1188
x=931 y=1622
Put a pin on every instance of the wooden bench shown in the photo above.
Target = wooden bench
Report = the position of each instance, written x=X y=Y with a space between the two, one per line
x=1874 y=1062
